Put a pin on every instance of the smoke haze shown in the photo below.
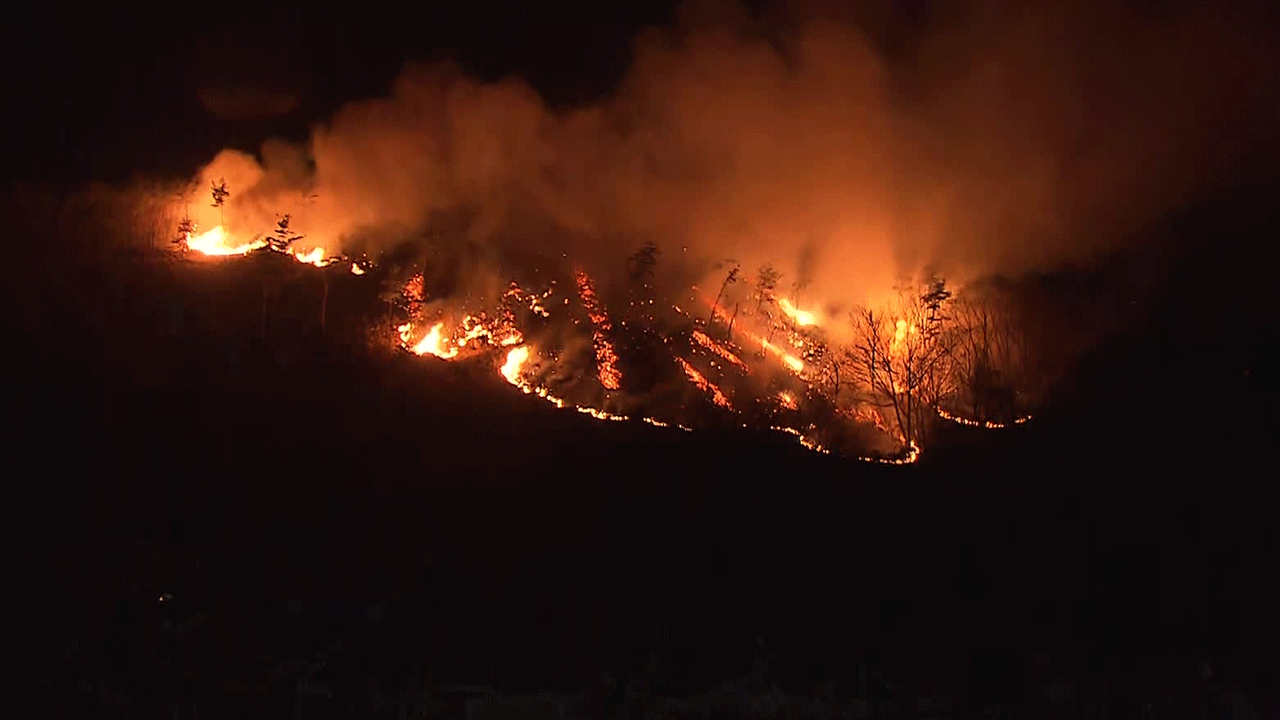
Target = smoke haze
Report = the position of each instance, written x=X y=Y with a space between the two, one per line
x=994 y=139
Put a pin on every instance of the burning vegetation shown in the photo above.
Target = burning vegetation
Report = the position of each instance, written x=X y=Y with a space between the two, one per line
x=876 y=393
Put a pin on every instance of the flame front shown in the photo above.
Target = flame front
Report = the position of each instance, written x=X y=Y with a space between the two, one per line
x=606 y=357
x=502 y=331
x=791 y=361
x=705 y=385
x=515 y=363
x=215 y=242
x=434 y=343
x=315 y=256
x=801 y=317
x=705 y=341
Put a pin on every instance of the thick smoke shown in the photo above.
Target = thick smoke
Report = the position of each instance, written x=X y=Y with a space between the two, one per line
x=992 y=139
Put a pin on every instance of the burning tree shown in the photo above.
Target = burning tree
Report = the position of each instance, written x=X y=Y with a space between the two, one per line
x=185 y=227
x=729 y=279
x=220 y=194
x=283 y=237
x=903 y=359
x=767 y=278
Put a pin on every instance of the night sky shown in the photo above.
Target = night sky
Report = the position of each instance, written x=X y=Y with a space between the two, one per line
x=108 y=90
x=111 y=90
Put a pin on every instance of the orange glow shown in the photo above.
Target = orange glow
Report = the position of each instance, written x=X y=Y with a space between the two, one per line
x=215 y=242
x=516 y=360
x=788 y=401
x=704 y=385
x=435 y=344
x=705 y=341
x=791 y=361
x=314 y=256
x=900 y=332
x=801 y=317
x=356 y=269
x=606 y=357
x=989 y=424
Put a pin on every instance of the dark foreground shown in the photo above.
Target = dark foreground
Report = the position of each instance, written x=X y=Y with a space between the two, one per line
x=336 y=533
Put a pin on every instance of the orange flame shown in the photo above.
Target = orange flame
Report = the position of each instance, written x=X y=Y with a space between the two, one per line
x=434 y=343
x=788 y=401
x=515 y=363
x=314 y=256
x=791 y=361
x=705 y=341
x=606 y=358
x=801 y=317
x=215 y=242
x=704 y=385
x=989 y=424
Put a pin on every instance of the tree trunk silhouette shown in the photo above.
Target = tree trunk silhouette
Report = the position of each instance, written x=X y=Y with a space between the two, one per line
x=729 y=334
x=324 y=300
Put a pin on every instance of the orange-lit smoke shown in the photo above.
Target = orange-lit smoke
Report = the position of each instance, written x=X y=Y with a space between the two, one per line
x=990 y=138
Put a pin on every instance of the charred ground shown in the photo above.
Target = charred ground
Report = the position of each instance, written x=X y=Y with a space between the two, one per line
x=306 y=498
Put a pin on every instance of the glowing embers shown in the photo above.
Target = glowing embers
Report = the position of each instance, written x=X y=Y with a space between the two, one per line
x=705 y=385
x=217 y=243
x=990 y=424
x=447 y=346
x=530 y=300
x=705 y=341
x=788 y=401
x=606 y=357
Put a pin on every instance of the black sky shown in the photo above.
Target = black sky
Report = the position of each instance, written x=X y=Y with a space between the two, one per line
x=103 y=91
x=109 y=90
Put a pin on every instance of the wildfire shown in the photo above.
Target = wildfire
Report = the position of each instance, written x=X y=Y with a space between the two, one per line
x=315 y=256
x=218 y=243
x=433 y=343
x=518 y=357
x=704 y=384
x=989 y=424
x=801 y=317
x=502 y=332
x=791 y=361
x=606 y=357
x=215 y=242
x=900 y=332
x=705 y=341
x=516 y=360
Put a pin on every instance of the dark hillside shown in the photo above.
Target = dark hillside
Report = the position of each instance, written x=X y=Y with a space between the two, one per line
x=308 y=496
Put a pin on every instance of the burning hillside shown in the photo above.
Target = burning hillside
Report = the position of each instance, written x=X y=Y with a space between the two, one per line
x=766 y=364
x=502 y=229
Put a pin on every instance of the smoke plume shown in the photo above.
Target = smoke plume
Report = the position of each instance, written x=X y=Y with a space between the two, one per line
x=995 y=138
